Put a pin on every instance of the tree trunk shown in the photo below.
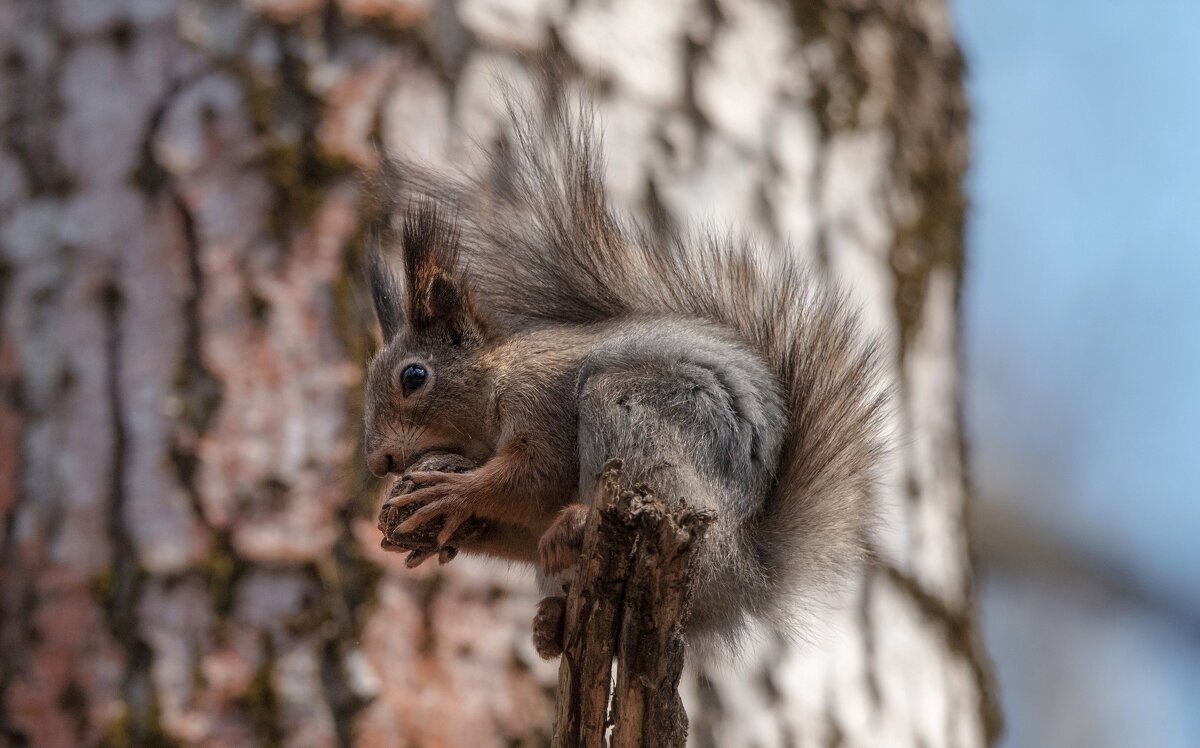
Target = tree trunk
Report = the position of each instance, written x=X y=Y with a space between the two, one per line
x=190 y=552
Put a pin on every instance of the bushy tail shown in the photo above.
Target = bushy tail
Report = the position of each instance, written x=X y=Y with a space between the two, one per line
x=541 y=247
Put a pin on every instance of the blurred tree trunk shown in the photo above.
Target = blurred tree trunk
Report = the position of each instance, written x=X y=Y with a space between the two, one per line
x=189 y=551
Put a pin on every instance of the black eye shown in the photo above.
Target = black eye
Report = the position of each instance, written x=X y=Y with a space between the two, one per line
x=412 y=378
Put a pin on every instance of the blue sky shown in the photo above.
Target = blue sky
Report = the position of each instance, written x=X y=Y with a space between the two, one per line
x=1082 y=304
x=1082 y=349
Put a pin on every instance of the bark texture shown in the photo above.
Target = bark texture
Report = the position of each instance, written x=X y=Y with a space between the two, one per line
x=189 y=547
x=627 y=604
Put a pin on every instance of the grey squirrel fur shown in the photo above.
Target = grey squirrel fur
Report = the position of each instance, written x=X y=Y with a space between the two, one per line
x=555 y=334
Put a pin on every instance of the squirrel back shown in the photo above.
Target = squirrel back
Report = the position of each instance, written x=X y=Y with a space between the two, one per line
x=542 y=248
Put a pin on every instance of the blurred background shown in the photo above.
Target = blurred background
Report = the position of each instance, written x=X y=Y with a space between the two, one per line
x=1082 y=352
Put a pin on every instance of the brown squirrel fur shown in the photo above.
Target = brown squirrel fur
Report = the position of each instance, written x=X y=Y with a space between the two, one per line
x=554 y=335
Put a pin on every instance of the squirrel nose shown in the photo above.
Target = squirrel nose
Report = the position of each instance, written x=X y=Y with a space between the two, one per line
x=381 y=463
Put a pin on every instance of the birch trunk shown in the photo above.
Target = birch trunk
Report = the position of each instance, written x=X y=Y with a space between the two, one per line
x=189 y=548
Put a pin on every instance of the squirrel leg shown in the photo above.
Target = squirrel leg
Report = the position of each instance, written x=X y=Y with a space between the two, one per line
x=559 y=546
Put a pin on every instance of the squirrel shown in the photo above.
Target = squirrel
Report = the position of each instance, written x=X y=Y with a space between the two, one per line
x=534 y=331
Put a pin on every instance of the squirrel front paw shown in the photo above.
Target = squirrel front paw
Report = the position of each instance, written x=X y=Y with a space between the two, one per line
x=421 y=542
x=451 y=496
x=559 y=546
x=549 y=626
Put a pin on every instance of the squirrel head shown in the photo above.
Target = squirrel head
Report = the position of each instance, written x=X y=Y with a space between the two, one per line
x=427 y=386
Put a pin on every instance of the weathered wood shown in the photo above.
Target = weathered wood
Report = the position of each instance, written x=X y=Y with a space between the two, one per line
x=627 y=601
x=646 y=706
x=593 y=610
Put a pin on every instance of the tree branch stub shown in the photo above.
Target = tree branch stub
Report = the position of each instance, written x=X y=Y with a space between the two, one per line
x=627 y=602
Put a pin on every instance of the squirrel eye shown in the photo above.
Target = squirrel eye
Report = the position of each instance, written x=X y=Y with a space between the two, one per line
x=412 y=378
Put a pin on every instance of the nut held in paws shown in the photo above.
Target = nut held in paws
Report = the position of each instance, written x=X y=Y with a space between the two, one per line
x=423 y=540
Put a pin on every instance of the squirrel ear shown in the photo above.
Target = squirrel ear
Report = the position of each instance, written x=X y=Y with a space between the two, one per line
x=439 y=296
x=448 y=305
x=446 y=302
x=386 y=295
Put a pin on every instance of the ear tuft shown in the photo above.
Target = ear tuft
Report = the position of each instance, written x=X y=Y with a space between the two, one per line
x=438 y=297
x=386 y=295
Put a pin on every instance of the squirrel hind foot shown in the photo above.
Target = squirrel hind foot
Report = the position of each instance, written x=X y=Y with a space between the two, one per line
x=549 y=627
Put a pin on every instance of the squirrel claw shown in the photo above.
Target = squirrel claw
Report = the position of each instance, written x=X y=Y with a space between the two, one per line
x=429 y=477
x=404 y=499
x=453 y=507
x=416 y=558
x=435 y=500
x=453 y=522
